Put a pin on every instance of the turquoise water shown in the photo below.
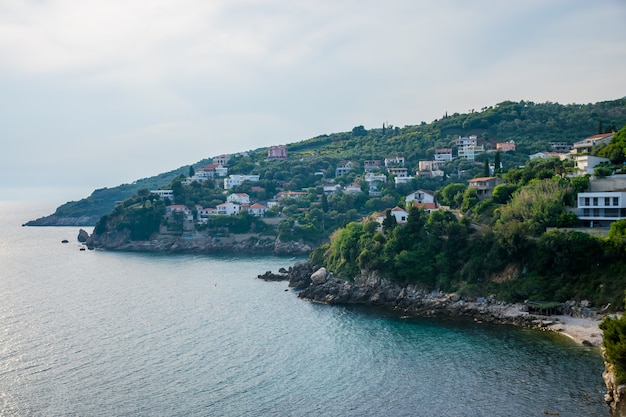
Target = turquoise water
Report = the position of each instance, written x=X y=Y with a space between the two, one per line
x=93 y=333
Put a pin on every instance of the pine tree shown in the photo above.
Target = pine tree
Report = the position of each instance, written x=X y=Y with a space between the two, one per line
x=496 y=164
x=487 y=167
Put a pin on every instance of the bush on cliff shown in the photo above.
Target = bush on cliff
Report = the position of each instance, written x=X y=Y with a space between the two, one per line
x=614 y=341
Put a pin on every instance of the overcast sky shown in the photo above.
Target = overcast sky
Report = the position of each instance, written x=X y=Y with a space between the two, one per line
x=98 y=93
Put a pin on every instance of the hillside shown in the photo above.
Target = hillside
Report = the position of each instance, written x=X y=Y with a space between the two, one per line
x=533 y=126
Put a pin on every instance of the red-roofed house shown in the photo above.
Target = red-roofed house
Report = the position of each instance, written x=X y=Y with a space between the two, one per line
x=258 y=210
x=484 y=185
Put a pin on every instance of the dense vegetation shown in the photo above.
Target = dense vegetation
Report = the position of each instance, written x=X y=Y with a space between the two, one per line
x=497 y=245
x=614 y=341
x=531 y=125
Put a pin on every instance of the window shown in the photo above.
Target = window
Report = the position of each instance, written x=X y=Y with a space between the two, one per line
x=586 y=201
x=611 y=212
x=595 y=201
x=607 y=201
x=586 y=212
x=616 y=201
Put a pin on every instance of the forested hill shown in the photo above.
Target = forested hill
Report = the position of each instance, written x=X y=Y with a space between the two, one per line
x=533 y=126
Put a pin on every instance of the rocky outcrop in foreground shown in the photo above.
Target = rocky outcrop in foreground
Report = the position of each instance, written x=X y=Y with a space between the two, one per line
x=120 y=241
x=616 y=394
x=319 y=285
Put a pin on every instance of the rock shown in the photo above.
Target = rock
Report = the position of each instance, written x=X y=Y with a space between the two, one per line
x=319 y=276
x=83 y=236
x=300 y=275
x=269 y=276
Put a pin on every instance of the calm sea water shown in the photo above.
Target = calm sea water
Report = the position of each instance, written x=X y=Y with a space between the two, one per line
x=93 y=333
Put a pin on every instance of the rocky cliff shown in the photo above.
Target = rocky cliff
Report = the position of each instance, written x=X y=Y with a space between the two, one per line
x=616 y=394
x=369 y=289
x=195 y=243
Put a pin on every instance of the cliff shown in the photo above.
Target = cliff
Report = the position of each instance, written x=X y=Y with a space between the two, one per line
x=319 y=285
x=616 y=394
x=195 y=243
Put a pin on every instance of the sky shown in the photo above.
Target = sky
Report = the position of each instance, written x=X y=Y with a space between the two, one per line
x=97 y=93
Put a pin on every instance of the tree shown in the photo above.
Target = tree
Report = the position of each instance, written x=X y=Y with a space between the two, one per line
x=191 y=171
x=389 y=222
x=486 y=170
x=497 y=165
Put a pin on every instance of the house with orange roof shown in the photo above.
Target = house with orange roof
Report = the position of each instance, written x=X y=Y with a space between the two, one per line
x=484 y=185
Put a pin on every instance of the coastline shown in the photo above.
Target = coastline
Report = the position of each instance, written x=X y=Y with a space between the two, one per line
x=318 y=285
x=584 y=331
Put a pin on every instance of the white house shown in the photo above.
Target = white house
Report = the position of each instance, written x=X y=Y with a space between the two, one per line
x=234 y=180
x=395 y=161
x=586 y=163
x=258 y=210
x=400 y=214
x=586 y=145
x=370 y=177
x=443 y=154
x=353 y=188
x=600 y=209
x=343 y=167
x=204 y=213
x=239 y=198
x=331 y=188
x=228 y=208
x=163 y=194
x=419 y=196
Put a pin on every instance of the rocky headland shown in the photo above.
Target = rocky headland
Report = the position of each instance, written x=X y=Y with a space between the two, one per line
x=54 y=220
x=194 y=243
x=319 y=285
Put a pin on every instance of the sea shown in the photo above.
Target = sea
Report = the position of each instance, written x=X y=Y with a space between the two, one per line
x=99 y=333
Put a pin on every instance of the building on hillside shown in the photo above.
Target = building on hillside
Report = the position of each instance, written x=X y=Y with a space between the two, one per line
x=431 y=168
x=204 y=213
x=396 y=161
x=398 y=172
x=331 y=188
x=258 y=210
x=290 y=194
x=600 y=209
x=372 y=165
x=239 y=198
x=419 y=196
x=586 y=163
x=163 y=194
x=560 y=147
x=375 y=178
x=228 y=209
x=468 y=147
x=586 y=145
x=234 y=180
x=484 y=185
x=353 y=188
x=505 y=146
x=277 y=152
x=343 y=167
x=221 y=159
x=545 y=155
x=443 y=154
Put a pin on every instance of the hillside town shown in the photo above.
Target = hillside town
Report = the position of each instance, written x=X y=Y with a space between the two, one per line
x=603 y=203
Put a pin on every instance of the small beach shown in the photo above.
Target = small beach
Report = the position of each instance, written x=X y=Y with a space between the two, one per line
x=582 y=330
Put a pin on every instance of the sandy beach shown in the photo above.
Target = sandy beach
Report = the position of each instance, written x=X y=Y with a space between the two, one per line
x=582 y=330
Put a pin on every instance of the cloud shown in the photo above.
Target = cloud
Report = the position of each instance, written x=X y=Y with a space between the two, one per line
x=168 y=83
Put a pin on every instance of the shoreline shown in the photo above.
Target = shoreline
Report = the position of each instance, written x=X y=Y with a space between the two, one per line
x=318 y=285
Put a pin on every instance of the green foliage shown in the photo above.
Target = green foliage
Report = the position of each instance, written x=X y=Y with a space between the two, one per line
x=614 y=341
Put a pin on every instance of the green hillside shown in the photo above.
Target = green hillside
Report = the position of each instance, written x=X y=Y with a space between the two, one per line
x=531 y=125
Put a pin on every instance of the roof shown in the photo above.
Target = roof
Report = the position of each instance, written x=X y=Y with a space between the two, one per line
x=209 y=167
x=427 y=206
x=398 y=209
x=481 y=179
x=258 y=206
